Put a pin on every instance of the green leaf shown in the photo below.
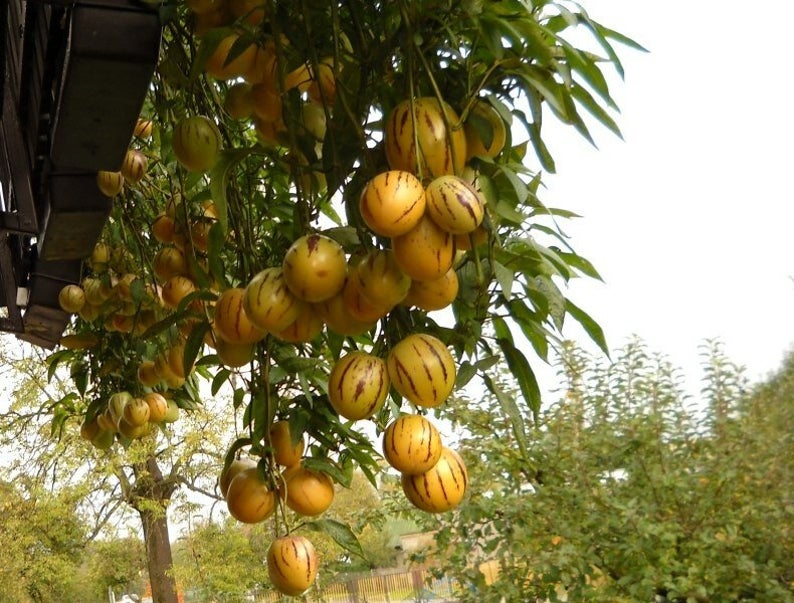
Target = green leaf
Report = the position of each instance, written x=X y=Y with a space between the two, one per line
x=506 y=277
x=340 y=533
x=219 y=180
x=523 y=374
x=53 y=360
x=512 y=411
x=193 y=345
x=591 y=327
x=220 y=378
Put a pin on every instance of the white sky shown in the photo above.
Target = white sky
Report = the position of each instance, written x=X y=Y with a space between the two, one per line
x=689 y=219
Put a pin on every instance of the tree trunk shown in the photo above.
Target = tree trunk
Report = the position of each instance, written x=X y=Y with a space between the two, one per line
x=158 y=556
x=152 y=493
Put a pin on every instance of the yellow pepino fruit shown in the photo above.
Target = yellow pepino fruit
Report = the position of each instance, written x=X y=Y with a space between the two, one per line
x=435 y=294
x=436 y=128
x=309 y=492
x=197 y=142
x=249 y=498
x=231 y=322
x=292 y=564
x=381 y=280
x=392 y=203
x=454 y=204
x=412 y=444
x=358 y=385
x=268 y=301
x=315 y=268
x=441 y=488
x=422 y=369
x=426 y=251
x=71 y=298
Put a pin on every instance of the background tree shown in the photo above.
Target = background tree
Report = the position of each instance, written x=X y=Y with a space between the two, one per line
x=629 y=490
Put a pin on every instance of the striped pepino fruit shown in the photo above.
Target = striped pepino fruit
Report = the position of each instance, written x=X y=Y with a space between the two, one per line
x=292 y=564
x=412 y=444
x=422 y=369
x=381 y=280
x=441 y=488
x=358 y=385
x=231 y=322
x=197 y=142
x=392 y=203
x=436 y=128
x=269 y=303
x=454 y=204
x=425 y=252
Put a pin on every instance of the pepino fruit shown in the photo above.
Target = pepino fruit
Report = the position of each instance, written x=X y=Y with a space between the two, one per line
x=197 y=142
x=422 y=369
x=440 y=488
x=230 y=472
x=71 y=299
x=110 y=184
x=412 y=444
x=231 y=321
x=309 y=492
x=315 y=268
x=435 y=126
x=286 y=450
x=249 y=498
x=454 y=204
x=426 y=251
x=435 y=294
x=358 y=385
x=292 y=564
x=268 y=301
x=381 y=280
x=392 y=203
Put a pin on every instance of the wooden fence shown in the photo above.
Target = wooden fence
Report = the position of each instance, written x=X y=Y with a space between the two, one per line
x=393 y=587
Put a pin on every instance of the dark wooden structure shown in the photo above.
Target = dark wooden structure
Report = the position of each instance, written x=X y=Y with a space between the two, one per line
x=75 y=76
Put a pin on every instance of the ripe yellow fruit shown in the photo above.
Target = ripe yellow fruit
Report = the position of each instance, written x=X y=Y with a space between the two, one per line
x=89 y=429
x=337 y=317
x=71 y=298
x=309 y=492
x=176 y=289
x=249 y=498
x=136 y=412
x=435 y=294
x=158 y=407
x=230 y=472
x=322 y=89
x=422 y=369
x=292 y=564
x=134 y=166
x=197 y=142
x=285 y=452
x=110 y=184
x=239 y=102
x=234 y=355
x=392 y=203
x=358 y=385
x=163 y=228
x=426 y=251
x=454 y=204
x=359 y=307
x=220 y=67
x=143 y=128
x=315 y=268
x=268 y=301
x=231 y=321
x=304 y=328
x=100 y=257
x=116 y=404
x=381 y=279
x=441 y=488
x=436 y=127
x=168 y=262
x=412 y=444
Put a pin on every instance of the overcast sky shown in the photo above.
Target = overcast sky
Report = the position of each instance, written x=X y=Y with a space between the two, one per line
x=689 y=218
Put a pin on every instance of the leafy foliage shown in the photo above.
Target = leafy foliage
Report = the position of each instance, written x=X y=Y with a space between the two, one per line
x=630 y=490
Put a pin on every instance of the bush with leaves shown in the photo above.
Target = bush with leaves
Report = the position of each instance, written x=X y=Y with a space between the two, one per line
x=630 y=490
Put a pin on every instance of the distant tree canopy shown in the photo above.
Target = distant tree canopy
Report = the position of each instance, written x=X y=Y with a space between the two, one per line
x=630 y=490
